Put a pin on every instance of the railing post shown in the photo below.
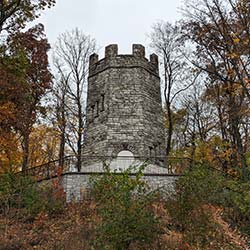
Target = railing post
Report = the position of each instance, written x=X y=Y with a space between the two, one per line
x=47 y=171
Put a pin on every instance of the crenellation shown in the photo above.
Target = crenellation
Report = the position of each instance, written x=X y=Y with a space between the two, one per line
x=114 y=60
x=111 y=51
x=138 y=50
x=154 y=59
x=93 y=59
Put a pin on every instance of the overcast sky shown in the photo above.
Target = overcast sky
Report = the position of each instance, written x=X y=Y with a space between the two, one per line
x=110 y=21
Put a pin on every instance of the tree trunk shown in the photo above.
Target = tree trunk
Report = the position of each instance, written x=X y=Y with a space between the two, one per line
x=25 y=146
x=80 y=130
x=234 y=121
x=62 y=135
x=170 y=129
x=62 y=148
x=239 y=148
x=193 y=148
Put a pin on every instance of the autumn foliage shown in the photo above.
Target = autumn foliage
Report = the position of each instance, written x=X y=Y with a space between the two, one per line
x=205 y=63
x=204 y=213
x=25 y=79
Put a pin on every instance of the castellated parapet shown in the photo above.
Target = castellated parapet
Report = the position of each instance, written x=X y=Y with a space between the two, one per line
x=113 y=60
x=124 y=110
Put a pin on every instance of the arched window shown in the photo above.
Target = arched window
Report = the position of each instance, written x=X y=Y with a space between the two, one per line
x=125 y=153
x=124 y=160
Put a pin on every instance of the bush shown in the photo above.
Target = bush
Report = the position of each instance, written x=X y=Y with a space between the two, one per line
x=199 y=186
x=123 y=205
x=17 y=191
x=237 y=205
x=52 y=200
x=21 y=193
x=200 y=194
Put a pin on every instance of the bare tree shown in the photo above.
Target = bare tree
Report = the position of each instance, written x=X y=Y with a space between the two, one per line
x=195 y=125
x=60 y=107
x=167 y=40
x=71 y=57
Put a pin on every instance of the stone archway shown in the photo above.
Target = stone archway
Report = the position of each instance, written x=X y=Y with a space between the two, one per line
x=125 y=153
x=123 y=161
x=123 y=146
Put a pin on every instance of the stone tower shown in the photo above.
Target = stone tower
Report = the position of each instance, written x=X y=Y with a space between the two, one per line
x=124 y=110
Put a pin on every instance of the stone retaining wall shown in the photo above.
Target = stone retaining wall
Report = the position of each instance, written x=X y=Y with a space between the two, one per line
x=76 y=185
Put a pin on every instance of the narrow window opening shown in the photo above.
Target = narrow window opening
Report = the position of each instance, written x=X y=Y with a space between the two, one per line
x=102 y=102
x=155 y=150
x=159 y=150
x=97 y=109
x=155 y=153
x=150 y=151
x=93 y=112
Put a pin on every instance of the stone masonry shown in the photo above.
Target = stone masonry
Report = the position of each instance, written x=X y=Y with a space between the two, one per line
x=76 y=185
x=124 y=109
x=124 y=114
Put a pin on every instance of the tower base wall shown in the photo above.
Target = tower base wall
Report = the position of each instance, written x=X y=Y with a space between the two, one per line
x=77 y=185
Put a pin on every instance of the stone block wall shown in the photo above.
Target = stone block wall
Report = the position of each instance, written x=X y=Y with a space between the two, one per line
x=124 y=110
x=76 y=185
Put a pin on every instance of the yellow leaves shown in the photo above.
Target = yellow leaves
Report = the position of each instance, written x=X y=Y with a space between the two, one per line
x=212 y=151
x=6 y=2
x=10 y=152
x=44 y=144
x=236 y=40
x=233 y=55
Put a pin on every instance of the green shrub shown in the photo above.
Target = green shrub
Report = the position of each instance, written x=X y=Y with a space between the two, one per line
x=199 y=194
x=17 y=191
x=53 y=200
x=190 y=207
x=124 y=208
x=201 y=185
x=21 y=193
x=237 y=205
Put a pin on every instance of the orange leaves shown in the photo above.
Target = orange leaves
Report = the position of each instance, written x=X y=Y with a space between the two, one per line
x=10 y=153
x=24 y=80
x=247 y=82
x=44 y=143
x=7 y=112
x=58 y=191
x=71 y=230
x=232 y=89
x=213 y=152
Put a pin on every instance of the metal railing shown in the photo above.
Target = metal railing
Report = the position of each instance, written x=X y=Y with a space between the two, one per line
x=94 y=164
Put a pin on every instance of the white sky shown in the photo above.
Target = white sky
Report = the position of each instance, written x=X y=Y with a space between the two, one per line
x=110 y=21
